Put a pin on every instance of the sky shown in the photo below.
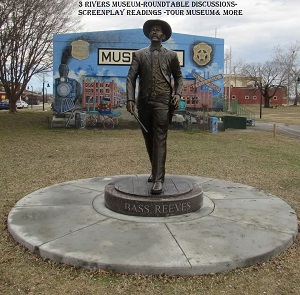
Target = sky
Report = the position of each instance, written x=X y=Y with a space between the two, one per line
x=250 y=37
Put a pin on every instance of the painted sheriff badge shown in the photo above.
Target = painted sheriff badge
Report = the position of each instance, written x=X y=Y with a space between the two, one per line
x=80 y=49
x=202 y=54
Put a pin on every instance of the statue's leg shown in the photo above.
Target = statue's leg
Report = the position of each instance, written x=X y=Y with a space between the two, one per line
x=145 y=116
x=160 y=130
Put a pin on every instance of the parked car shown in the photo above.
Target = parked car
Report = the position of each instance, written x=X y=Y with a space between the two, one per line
x=4 y=105
x=21 y=104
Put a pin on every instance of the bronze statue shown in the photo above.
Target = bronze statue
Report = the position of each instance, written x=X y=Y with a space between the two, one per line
x=154 y=65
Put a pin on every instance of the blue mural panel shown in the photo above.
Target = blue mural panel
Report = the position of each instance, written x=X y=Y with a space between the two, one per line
x=89 y=67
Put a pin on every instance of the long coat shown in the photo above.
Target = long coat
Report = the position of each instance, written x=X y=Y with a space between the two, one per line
x=141 y=67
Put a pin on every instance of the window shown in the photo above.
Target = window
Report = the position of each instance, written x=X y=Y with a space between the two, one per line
x=254 y=97
x=246 y=97
x=275 y=98
x=233 y=97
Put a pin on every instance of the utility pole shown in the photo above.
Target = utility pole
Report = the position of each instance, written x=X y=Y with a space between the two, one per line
x=44 y=91
x=229 y=78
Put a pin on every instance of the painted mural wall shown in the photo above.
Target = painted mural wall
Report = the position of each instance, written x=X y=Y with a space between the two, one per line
x=89 y=67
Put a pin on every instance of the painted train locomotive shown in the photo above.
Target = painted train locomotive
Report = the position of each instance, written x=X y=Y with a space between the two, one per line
x=67 y=91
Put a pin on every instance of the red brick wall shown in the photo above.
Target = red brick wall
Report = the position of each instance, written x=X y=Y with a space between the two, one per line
x=195 y=98
x=249 y=95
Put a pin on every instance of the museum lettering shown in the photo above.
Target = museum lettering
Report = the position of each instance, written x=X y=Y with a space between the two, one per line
x=114 y=56
x=123 y=57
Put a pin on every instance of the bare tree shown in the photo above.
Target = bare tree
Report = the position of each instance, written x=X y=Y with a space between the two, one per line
x=288 y=57
x=267 y=77
x=27 y=27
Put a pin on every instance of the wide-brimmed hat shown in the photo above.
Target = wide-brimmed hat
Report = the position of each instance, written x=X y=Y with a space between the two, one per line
x=157 y=22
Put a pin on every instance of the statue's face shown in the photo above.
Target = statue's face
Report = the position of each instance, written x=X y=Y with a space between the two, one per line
x=157 y=34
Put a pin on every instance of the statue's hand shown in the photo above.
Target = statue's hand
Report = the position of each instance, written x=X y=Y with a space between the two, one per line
x=130 y=106
x=175 y=101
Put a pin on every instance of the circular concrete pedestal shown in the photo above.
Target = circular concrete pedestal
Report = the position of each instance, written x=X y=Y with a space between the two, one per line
x=237 y=226
x=132 y=196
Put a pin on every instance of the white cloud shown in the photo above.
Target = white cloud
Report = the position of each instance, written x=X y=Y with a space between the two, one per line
x=252 y=36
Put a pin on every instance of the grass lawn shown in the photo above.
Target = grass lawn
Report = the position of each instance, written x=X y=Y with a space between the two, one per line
x=34 y=156
x=282 y=114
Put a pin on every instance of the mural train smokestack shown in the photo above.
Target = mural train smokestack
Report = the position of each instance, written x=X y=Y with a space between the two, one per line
x=63 y=70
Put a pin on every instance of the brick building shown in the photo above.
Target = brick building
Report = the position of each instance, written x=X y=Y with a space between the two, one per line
x=243 y=90
x=30 y=97
x=97 y=90
x=251 y=95
x=195 y=97
x=2 y=93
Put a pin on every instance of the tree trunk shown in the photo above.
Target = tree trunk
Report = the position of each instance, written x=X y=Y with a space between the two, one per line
x=267 y=101
x=12 y=108
x=297 y=88
x=12 y=103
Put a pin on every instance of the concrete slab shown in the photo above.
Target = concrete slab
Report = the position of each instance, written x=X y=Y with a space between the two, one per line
x=119 y=246
x=237 y=226
x=220 y=244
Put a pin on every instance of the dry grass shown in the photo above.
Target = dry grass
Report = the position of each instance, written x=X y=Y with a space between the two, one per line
x=282 y=114
x=34 y=156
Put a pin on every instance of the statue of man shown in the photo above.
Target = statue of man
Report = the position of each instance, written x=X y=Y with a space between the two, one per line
x=154 y=65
